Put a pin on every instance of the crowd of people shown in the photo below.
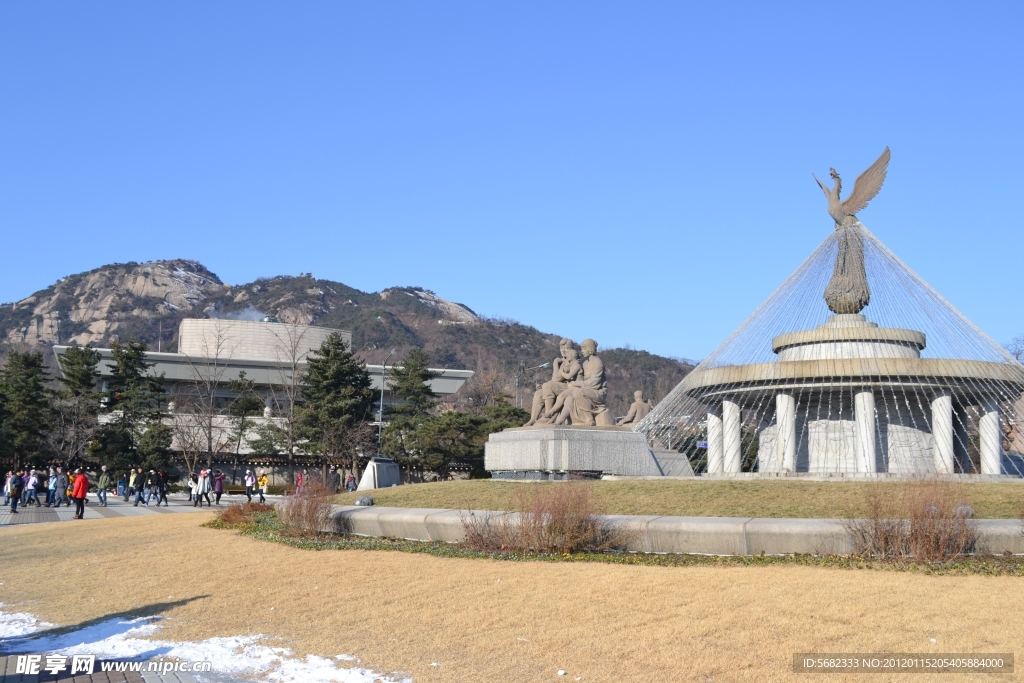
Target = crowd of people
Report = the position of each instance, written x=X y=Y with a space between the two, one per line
x=24 y=487
x=54 y=487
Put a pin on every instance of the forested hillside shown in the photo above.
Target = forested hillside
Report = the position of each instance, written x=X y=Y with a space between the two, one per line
x=148 y=300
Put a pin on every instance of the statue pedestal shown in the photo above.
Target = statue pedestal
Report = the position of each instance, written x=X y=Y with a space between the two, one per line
x=563 y=452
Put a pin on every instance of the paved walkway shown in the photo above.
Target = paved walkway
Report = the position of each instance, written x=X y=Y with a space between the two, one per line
x=31 y=514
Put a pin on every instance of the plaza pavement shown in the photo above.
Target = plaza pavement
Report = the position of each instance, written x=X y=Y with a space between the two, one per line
x=31 y=514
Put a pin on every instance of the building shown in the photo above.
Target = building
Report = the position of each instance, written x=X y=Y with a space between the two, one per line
x=214 y=352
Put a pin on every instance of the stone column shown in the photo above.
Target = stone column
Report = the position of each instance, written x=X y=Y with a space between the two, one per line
x=990 y=437
x=961 y=438
x=785 y=439
x=942 y=432
x=716 y=460
x=731 y=437
x=864 y=417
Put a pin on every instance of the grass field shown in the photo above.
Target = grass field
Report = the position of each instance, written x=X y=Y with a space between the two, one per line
x=696 y=498
x=486 y=620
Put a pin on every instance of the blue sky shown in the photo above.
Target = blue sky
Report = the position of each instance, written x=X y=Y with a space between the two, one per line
x=639 y=173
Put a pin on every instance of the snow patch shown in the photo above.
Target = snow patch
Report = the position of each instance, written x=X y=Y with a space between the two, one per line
x=130 y=639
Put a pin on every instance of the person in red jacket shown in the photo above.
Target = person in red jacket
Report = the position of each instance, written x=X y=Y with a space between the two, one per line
x=79 y=490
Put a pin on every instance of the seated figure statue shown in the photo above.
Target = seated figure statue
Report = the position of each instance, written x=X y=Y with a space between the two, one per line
x=565 y=369
x=537 y=409
x=637 y=411
x=583 y=401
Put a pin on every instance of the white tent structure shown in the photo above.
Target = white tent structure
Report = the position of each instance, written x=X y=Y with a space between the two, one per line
x=380 y=473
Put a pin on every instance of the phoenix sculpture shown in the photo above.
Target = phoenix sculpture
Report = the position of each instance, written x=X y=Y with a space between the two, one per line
x=848 y=291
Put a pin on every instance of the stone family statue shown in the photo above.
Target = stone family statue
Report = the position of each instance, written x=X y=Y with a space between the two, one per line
x=576 y=392
x=564 y=371
x=637 y=411
x=848 y=291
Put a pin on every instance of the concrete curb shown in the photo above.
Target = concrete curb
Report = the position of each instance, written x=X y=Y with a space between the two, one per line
x=654 y=534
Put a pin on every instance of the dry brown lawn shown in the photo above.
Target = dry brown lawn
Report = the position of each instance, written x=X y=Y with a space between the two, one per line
x=489 y=620
x=697 y=498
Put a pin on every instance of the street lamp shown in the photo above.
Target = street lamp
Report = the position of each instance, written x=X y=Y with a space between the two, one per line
x=380 y=413
x=522 y=371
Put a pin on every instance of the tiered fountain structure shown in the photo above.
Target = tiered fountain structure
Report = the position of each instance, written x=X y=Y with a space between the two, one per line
x=869 y=373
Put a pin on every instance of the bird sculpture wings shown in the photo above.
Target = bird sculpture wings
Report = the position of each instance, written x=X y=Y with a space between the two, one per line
x=864 y=190
x=867 y=185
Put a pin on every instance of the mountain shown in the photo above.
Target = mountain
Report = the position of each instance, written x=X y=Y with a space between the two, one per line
x=148 y=301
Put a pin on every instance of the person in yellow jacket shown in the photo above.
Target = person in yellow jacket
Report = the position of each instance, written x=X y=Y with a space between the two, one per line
x=263 y=481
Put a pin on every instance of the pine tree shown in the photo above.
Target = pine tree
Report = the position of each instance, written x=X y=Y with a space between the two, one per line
x=78 y=369
x=410 y=384
x=154 y=447
x=75 y=408
x=336 y=397
x=26 y=415
x=135 y=397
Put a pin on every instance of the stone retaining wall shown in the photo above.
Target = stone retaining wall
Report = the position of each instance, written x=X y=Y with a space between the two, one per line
x=663 y=534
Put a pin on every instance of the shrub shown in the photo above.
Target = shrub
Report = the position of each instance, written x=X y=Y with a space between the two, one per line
x=927 y=519
x=308 y=512
x=242 y=513
x=559 y=518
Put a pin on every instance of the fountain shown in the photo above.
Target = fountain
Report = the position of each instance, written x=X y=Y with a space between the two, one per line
x=855 y=366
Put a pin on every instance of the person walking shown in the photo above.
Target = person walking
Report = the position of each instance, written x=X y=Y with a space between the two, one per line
x=334 y=480
x=30 y=489
x=161 y=488
x=129 y=490
x=300 y=480
x=218 y=484
x=193 y=484
x=152 y=489
x=14 y=487
x=140 y=487
x=250 y=483
x=60 y=489
x=350 y=483
x=102 y=485
x=206 y=485
x=262 y=482
x=7 y=488
x=51 y=487
x=200 y=487
x=79 y=490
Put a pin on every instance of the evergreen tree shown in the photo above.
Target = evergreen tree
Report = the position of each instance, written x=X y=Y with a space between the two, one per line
x=452 y=436
x=410 y=384
x=25 y=407
x=74 y=408
x=135 y=398
x=336 y=396
x=154 y=447
x=78 y=370
x=455 y=436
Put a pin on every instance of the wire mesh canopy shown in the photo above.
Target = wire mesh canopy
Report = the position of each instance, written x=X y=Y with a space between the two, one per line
x=854 y=366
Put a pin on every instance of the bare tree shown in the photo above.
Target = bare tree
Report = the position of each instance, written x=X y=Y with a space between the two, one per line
x=201 y=406
x=291 y=350
x=74 y=426
x=189 y=433
x=1016 y=348
x=484 y=388
x=349 y=446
